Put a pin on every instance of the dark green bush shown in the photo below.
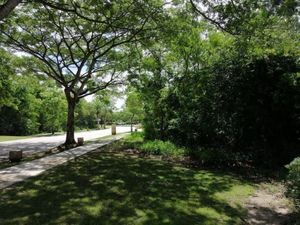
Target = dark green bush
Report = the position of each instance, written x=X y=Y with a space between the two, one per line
x=249 y=105
x=293 y=181
x=218 y=157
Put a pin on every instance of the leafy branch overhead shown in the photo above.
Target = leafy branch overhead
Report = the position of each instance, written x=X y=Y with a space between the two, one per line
x=237 y=17
x=80 y=55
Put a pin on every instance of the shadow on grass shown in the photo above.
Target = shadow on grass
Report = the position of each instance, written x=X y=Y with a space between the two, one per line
x=107 y=188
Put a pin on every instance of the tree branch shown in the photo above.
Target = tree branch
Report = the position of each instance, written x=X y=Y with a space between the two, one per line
x=214 y=22
x=8 y=7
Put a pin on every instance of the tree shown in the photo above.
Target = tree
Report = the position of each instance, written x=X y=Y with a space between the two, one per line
x=21 y=116
x=121 y=117
x=134 y=106
x=53 y=110
x=103 y=108
x=85 y=115
x=6 y=75
x=28 y=105
x=7 y=7
x=237 y=17
x=226 y=92
x=81 y=55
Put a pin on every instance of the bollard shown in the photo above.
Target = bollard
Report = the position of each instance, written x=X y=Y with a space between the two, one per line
x=80 y=141
x=15 y=156
x=113 y=129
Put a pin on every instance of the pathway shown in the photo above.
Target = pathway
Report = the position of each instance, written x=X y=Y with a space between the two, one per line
x=268 y=207
x=33 y=168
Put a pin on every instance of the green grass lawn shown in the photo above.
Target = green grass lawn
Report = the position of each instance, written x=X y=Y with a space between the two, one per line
x=114 y=188
x=12 y=138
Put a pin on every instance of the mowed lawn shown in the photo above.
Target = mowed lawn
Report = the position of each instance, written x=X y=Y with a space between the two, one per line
x=114 y=188
x=12 y=138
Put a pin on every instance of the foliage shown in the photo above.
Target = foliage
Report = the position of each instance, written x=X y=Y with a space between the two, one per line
x=220 y=158
x=236 y=93
x=53 y=110
x=33 y=105
x=157 y=147
x=6 y=76
x=102 y=106
x=135 y=137
x=243 y=105
x=23 y=118
x=84 y=115
x=121 y=117
x=165 y=148
x=150 y=82
x=134 y=106
x=80 y=48
x=293 y=181
x=243 y=17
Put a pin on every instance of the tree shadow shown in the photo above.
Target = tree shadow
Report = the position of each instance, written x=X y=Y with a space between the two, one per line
x=111 y=188
x=259 y=215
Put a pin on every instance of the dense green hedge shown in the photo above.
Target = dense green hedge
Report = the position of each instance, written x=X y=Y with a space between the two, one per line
x=245 y=105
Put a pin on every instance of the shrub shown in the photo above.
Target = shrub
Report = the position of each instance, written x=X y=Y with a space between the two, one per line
x=135 y=137
x=219 y=157
x=164 y=148
x=293 y=181
x=134 y=140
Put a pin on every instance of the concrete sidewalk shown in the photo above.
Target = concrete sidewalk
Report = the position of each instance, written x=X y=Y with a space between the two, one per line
x=14 y=174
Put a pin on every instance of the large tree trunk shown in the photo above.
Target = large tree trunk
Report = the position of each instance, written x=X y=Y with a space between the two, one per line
x=7 y=7
x=70 y=139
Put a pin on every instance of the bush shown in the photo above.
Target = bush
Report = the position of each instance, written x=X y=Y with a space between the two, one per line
x=293 y=181
x=219 y=157
x=132 y=141
x=135 y=137
x=164 y=148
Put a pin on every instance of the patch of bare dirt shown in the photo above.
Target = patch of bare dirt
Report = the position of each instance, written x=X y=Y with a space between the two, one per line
x=268 y=208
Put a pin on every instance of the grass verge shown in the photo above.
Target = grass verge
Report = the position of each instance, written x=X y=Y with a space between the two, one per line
x=12 y=138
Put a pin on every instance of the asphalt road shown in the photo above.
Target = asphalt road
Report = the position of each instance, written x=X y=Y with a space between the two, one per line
x=41 y=144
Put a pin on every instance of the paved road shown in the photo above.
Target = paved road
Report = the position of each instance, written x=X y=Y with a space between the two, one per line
x=14 y=174
x=40 y=144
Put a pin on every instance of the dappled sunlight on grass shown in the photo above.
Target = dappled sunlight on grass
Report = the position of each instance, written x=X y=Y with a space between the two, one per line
x=107 y=188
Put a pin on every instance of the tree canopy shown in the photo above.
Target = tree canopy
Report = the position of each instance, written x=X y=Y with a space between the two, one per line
x=83 y=55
